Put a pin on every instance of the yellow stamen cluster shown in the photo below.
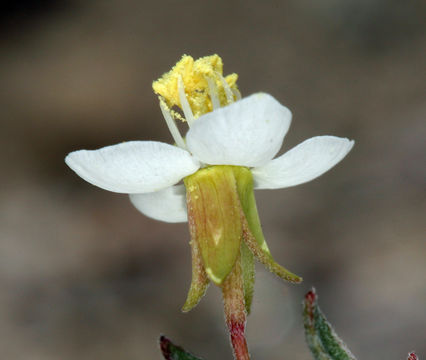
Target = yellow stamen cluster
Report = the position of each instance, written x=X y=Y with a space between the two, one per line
x=195 y=76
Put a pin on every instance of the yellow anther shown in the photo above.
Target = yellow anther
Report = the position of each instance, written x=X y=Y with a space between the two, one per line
x=194 y=75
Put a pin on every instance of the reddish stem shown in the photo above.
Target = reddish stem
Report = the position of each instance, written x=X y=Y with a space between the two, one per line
x=238 y=341
x=235 y=312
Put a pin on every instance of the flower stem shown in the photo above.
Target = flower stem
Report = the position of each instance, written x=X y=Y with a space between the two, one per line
x=235 y=311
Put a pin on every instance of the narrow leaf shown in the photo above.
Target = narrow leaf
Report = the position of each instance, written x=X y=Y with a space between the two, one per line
x=171 y=351
x=312 y=338
x=320 y=335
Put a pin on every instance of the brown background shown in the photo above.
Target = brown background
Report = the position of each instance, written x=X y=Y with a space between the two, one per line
x=84 y=276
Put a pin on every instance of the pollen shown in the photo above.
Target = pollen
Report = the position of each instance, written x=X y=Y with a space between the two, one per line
x=203 y=83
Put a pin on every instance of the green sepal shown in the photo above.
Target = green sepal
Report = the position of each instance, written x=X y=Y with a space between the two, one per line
x=265 y=258
x=247 y=265
x=320 y=335
x=252 y=230
x=245 y=188
x=199 y=281
x=171 y=351
x=214 y=210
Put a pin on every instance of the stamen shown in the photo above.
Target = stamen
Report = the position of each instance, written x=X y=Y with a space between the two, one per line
x=237 y=94
x=227 y=88
x=213 y=93
x=186 y=108
x=177 y=137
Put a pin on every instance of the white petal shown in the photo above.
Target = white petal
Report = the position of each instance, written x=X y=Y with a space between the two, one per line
x=248 y=132
x=167 y=205
x=303 y=163
x=134 y=166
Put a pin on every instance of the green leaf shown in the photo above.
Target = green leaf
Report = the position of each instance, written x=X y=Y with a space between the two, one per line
x=171 y=351
x=320 y=335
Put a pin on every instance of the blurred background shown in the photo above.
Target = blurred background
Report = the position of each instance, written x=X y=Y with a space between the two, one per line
x=83 y=275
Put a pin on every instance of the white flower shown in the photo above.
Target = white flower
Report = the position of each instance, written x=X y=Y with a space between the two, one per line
x=248 y=132
x=228 y=152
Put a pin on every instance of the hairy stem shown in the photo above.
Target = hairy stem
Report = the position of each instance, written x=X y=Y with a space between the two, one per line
x=235 y=311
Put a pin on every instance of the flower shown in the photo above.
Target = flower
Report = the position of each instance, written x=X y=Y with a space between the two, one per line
x=228 y=152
